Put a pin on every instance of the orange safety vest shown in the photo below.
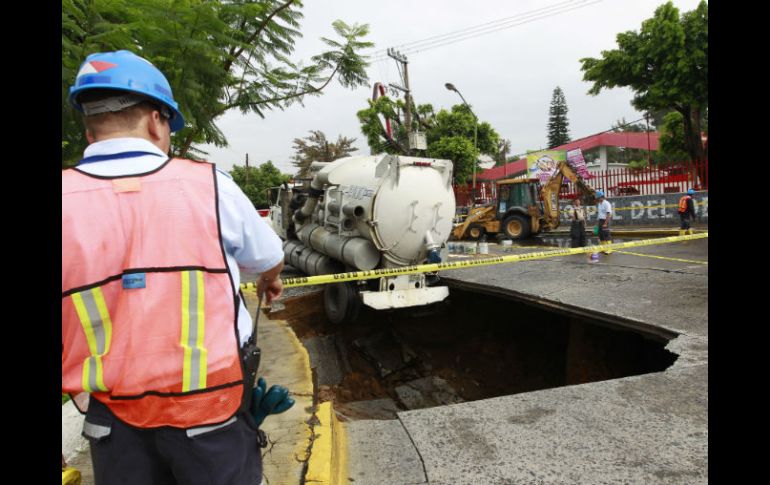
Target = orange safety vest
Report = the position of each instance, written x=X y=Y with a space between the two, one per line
x=149 y=309
x=683 y=203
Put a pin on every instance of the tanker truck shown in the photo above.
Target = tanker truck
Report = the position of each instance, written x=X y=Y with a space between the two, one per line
x=364 y=213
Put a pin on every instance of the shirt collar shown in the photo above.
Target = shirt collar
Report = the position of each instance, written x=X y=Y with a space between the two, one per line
x=118 y=145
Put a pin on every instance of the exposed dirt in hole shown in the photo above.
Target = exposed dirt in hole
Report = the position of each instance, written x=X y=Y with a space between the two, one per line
x=482 y=346
x=305 y=314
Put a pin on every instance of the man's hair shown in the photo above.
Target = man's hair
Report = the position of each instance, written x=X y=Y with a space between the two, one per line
x=110 y=122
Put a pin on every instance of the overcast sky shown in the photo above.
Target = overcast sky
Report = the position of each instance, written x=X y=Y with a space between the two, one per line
x=507 y=76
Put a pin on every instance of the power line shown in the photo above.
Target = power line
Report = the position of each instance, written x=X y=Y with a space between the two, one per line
x=409 y=45
x=504 y=27
x=447 y=39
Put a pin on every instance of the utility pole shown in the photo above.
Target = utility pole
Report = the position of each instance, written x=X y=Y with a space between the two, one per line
x=400 y=58
x=452 y=87
x=647 y=121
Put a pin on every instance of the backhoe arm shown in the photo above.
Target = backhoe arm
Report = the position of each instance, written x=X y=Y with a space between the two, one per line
x=551 y=189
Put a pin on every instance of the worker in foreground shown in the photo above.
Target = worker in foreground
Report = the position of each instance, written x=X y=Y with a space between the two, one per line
x=686 y=212
x=153 y=324
x=604 y=216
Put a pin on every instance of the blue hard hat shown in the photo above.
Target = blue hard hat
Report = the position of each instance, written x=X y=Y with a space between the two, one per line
x=599 y=194
x=690 y=191
x=125 y=71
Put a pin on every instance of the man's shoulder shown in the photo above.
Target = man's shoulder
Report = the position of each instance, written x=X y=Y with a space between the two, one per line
x=223 y=173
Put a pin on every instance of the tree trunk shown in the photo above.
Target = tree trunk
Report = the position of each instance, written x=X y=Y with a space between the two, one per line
x=187 y=142
x=692 y=133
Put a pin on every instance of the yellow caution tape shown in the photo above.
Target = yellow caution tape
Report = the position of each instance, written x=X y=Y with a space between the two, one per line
x=434 y=267
x=663 y=257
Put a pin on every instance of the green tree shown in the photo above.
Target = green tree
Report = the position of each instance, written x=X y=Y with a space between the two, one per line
x=665 y=64
x=621 y=125
x=254 y=181
x=373 y=124
x=503 y=149
x=217 y=56
x=449 y=134
x=671 y=142
x=558 y=125
x=316 y=148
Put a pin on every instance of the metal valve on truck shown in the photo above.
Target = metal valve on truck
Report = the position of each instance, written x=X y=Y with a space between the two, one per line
x=364 y=213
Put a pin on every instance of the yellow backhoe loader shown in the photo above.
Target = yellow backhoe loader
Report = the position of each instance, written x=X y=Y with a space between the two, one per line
x=523 y=207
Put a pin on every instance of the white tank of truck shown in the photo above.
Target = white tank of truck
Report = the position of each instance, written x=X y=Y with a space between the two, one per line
x=364 y=213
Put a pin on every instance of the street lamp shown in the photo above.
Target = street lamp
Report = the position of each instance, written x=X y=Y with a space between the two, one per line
x=452 y=87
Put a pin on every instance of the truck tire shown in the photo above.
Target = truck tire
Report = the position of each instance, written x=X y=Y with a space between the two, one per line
x=516 y=227
x=476 y=231
x=342 y=303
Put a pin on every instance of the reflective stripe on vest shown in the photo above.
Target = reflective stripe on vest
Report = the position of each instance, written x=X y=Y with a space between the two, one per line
x=95 y=319
x=683 y=203
x=193 y=329
x=149 y=307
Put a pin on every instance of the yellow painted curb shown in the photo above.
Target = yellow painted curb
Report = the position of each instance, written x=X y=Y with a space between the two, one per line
x=285 y=361
x=328 y=455
x=70 y=476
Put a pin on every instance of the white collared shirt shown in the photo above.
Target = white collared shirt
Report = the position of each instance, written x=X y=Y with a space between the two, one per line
x=248 y=241
x=603 y=208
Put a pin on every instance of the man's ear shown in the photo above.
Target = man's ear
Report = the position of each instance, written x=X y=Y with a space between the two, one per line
x=90 y=136
x=159 y=131
x=154 y=124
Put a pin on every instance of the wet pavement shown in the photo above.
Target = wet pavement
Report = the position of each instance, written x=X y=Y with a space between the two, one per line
x=649 y=428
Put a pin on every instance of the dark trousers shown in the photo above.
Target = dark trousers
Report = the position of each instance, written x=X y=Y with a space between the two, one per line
x=604 y=234
x=125 y=455
x=578 y=234
x=685 y=220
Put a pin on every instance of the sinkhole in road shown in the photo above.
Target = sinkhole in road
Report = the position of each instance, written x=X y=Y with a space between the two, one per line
x=472 y=346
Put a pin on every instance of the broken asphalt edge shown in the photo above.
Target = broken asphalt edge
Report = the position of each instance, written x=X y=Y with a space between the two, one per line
x=327 y=463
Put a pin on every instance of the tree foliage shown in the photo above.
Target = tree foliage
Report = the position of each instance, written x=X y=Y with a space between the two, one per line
x=671 y=143
x=665 y=64
x=449 y=134
x=558 y=125
x=316 y=148
x=254 y=181
x=503 y=149
x=217 y=56
x=622 y=125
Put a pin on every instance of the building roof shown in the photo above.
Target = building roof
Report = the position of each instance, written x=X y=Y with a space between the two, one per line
x=625 y=139
x=509 y=169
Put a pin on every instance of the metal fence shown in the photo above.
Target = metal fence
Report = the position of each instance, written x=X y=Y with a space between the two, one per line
x=666 y=179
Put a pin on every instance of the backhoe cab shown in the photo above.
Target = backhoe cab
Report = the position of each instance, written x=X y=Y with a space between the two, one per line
x=523 y=207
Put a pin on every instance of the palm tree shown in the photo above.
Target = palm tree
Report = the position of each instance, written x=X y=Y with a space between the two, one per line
x=316 y=148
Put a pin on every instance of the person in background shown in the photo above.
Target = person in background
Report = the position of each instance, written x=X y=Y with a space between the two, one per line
x=578 y=226
x=686 y=212
x=604 y=216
